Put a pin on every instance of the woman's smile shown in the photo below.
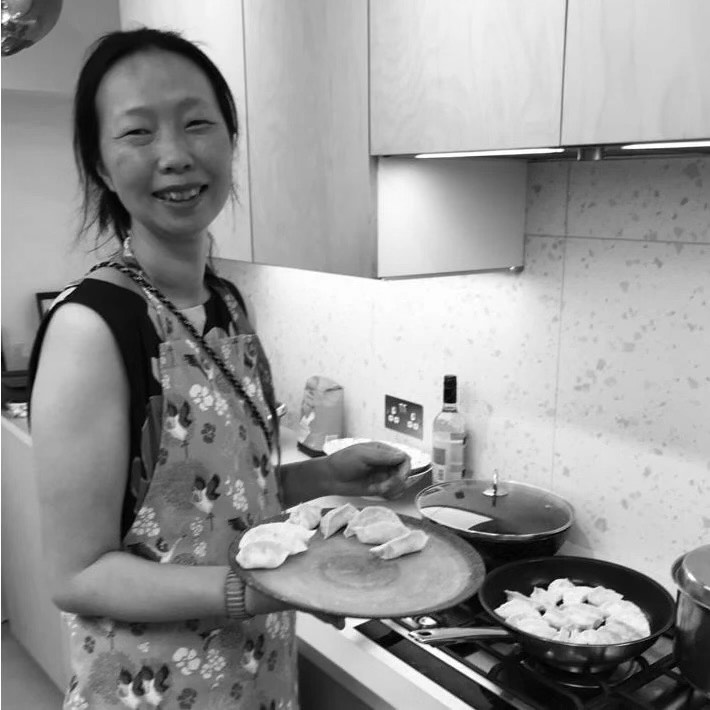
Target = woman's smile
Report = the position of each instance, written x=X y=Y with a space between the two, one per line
x=185 y=195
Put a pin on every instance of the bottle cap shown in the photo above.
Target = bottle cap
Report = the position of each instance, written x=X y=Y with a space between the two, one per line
x=449 y=389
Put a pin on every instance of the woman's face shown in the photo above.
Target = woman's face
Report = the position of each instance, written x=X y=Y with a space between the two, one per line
x=165 y=148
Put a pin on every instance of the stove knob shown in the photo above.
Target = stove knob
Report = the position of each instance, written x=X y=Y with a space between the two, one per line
x=426 y=622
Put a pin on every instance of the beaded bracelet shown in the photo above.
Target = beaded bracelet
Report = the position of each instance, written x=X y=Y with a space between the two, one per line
x=235 y=596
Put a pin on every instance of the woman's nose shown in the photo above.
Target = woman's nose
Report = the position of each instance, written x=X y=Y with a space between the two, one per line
x=174 y=153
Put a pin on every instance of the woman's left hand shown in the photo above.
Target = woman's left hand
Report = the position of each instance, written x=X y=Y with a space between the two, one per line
x=371 y=468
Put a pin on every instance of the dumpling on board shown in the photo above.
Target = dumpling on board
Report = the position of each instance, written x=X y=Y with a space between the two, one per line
x=293 y=537
x=411 y=541
x=336 y=519
x=369 y=515
x=380 y=532
x=307 y=515
x=262 y=554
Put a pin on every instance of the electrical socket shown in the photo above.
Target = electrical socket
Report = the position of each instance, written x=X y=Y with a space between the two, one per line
x=403 y=416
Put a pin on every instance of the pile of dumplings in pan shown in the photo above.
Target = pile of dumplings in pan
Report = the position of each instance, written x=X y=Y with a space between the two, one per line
x=268 y=545
x=575 y=614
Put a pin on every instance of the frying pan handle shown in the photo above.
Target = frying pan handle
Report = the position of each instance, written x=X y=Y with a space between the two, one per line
x=463 y=633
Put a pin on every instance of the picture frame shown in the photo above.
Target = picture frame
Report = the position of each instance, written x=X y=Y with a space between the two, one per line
x=44 y=301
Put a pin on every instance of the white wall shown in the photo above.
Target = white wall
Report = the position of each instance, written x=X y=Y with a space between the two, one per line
x=39 y=212
x=588 y=374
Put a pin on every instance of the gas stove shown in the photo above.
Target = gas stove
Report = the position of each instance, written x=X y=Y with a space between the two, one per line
x=490 y=674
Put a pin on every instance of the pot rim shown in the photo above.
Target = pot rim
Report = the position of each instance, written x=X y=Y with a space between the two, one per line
x=687 y=571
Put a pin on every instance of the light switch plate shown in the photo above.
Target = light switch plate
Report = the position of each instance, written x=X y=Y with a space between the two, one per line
x=404 y=416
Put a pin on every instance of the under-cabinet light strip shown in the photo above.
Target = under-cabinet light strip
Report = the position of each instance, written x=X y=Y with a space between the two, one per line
x=663 y=146
x=481 y=153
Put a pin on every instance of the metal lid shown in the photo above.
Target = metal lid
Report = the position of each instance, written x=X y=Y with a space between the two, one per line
x=691 y=573
x=501 y=512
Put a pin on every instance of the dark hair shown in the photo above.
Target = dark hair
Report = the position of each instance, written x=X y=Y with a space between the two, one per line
x=100 y=206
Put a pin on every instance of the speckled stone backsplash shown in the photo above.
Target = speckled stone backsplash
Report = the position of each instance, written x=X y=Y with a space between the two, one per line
x=588 y=373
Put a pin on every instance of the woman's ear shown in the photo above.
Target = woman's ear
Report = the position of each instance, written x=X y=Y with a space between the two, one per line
x=103 y=174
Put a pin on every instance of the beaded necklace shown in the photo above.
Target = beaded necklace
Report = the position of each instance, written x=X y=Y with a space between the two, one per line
x=137 y=274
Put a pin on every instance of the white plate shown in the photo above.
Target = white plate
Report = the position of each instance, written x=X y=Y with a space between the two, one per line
x=420 y=460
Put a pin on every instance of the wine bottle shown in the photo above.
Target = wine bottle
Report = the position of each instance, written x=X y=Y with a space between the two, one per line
x=449 y=437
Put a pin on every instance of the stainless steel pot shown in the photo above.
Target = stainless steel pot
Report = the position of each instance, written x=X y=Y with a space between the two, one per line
x=504 y=521
x=691 y=572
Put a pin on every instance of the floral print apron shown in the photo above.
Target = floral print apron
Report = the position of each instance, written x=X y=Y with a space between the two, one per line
x=212 y=477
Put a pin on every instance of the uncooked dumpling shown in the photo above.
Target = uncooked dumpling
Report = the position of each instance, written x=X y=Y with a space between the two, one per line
x=293 y=537
x=307 y=515
x=262 y=554
x=367 y=516
x=411 y=541
x=380 y=532
x=337 y=518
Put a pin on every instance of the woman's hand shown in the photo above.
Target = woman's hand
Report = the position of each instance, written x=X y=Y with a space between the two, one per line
x=371 y=468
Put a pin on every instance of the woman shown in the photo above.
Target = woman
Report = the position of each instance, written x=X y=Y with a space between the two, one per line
x=153 y=415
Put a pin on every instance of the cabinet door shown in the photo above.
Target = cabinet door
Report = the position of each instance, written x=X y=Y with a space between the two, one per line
x=450 y=75
x=216 y=26
x=636 y=70
x=312 y=180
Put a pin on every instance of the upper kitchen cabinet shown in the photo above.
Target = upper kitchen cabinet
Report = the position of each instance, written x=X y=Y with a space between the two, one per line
x=216 y=26
x=451 y=75
x=51 y=66
x=636 y=71
x=312 y=179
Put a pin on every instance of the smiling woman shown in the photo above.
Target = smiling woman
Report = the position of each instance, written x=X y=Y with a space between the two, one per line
x=153 y=411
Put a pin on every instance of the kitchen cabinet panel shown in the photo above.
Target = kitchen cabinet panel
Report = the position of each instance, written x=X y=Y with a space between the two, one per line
x=636 y=71
x=216 y=26
x=448 y=216
x=450 y=75
x=312 y=180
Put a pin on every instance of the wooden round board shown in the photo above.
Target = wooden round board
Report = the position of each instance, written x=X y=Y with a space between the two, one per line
x=339 y=576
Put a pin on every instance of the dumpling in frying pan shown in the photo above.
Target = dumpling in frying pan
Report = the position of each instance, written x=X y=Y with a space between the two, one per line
x=262 y=554
x=544 y=598
x=380 y=532
x=581 y=616
x=307 y=515
x=557 y=585
x=514 y=607
x=369 y=515
x=601 y=595
x=337 y=518
x=576 y=594
x=532 y=625
x=411 y=541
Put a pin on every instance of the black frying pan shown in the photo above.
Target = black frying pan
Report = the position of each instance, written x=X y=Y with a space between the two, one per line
x=522 y=576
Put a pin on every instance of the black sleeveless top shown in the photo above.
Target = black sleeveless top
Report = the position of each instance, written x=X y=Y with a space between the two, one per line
x=126 y=313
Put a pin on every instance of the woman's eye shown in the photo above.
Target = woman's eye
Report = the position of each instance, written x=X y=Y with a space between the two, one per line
x=198 y=123
x=136 y=132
